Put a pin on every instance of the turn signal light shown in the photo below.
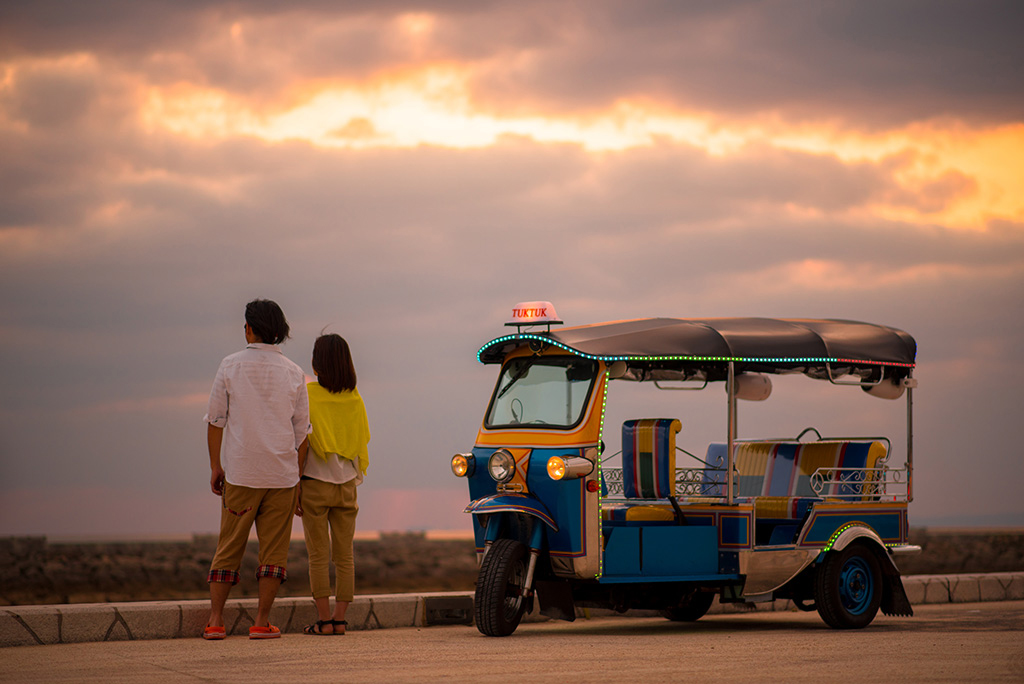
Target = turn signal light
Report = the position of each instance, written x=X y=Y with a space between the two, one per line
x=568 y=467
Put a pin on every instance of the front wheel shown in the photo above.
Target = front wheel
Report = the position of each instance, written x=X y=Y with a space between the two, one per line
x=848 y=587
x=499 y=604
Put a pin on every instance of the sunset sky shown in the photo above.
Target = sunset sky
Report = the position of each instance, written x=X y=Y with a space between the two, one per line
x=402 y=173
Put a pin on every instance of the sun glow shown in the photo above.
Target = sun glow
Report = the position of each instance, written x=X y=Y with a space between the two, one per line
x=947 y=173
x=426 y=107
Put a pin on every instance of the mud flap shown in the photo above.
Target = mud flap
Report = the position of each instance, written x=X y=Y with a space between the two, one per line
x=555 y=599
x=894 y=596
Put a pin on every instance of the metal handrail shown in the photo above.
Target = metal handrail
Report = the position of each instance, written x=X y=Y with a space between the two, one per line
x=849 y=484
x=858 y=484
x=688 y=482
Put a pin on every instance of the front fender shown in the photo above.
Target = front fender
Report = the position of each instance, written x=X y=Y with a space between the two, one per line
x=513 y=503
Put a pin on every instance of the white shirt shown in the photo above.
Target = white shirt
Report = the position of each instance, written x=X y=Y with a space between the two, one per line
x=259 y=399
x=335 y=469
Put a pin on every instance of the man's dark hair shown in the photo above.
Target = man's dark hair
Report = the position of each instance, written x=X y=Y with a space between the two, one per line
x=267 y=321
x=332 y=362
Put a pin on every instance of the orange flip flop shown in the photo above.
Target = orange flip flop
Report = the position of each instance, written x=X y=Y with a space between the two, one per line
x=214 y=633
x=268 y=632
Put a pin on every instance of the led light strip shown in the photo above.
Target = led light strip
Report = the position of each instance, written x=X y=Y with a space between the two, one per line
x=843 y=528
x=835 y=536
x=600 y=479
x=722 y=359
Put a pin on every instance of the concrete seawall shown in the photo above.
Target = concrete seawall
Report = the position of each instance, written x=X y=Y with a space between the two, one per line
x=93 y=622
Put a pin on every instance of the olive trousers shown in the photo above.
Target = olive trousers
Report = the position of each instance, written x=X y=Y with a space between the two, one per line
x=329 y=525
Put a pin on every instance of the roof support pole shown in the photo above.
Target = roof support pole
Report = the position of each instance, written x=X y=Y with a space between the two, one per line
x=910 y=439
x=731 y=387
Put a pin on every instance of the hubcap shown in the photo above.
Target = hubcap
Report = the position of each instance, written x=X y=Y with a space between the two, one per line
x=855 y=586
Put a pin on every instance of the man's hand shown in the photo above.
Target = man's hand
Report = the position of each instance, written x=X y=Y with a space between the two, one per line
x=298 y=501
x=214 y=436
x=217 y=481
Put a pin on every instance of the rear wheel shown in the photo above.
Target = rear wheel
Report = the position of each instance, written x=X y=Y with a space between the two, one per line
x=499 y=604
x=848 y=587
x=693 y=606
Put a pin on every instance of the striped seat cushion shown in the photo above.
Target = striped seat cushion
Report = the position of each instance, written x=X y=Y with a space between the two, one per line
x=784 y=469
x=612 y=513
x=649 y=457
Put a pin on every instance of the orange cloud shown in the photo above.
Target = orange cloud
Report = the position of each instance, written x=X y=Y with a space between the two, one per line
x=827 y=275
x=944 y=172
x=149 y=404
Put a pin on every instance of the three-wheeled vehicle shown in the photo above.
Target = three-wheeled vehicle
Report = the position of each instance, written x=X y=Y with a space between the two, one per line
x=814 y=519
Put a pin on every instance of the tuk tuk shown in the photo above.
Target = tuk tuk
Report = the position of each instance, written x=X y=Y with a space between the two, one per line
x=816 y=519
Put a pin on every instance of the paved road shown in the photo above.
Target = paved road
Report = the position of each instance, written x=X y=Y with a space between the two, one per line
x=975 y=642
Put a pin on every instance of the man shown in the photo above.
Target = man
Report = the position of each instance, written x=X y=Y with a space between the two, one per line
x=258 y=419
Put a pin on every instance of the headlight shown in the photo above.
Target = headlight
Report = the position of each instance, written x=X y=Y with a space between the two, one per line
x=501 y=465
x=569 y=467
x=463 y=465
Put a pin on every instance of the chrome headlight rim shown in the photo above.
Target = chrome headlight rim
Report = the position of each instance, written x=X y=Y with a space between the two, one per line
x=501 y=466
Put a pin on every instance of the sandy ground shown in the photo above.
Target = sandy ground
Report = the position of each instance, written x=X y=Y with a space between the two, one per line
x=942 y=643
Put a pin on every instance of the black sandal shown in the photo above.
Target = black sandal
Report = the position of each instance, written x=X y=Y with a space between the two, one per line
x=317 y=628
x=343 y=623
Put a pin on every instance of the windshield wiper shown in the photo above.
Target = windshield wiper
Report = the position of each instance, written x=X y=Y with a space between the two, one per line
x=518 y=376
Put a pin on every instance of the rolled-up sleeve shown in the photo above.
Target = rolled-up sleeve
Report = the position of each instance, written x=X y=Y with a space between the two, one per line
x=217 y=409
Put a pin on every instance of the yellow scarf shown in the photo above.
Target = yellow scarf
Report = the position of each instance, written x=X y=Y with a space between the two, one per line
x=339 y=425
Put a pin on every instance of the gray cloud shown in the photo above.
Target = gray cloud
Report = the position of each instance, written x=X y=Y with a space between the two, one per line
x=868 y=63
x=394 y=233
x=873 y=63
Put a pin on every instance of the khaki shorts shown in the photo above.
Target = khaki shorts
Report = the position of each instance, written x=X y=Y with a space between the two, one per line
x=272 y=511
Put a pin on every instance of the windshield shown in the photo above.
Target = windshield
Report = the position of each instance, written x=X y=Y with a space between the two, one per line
x=542 y=390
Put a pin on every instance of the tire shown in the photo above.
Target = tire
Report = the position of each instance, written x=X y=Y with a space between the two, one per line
x=693 y=605
x=848 y=587
x=499 y=604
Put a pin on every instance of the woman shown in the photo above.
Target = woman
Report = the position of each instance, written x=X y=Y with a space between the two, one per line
x=334 y=466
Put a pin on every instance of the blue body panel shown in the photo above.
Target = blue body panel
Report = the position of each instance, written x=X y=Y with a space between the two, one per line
x=888 y=525
x=702 y=550
x=564 y=502
x=660 y=553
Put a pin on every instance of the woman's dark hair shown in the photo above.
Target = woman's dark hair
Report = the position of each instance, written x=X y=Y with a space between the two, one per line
x=267 y=321
x=332 y=363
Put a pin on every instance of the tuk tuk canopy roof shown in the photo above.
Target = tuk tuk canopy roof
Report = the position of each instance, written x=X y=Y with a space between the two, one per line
x=818 y=347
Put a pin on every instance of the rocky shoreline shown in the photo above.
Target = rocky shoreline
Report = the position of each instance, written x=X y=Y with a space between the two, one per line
x=36 y=571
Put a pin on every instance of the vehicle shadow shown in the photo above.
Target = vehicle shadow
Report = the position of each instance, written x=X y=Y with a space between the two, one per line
x=968 y=618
